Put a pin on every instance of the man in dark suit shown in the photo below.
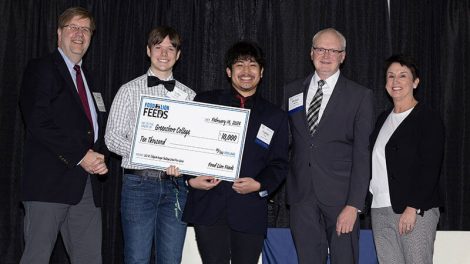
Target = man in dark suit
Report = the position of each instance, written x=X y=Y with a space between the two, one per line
x=63 y=148
x=230 y=219
x=330 y=119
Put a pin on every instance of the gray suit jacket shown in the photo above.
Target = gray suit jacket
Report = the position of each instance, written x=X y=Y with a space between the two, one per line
x=333 y=165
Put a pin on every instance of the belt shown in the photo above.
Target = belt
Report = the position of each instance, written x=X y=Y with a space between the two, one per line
x=146 y=173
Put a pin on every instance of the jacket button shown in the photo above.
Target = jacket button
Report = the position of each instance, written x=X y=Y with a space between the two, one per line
x=309 y=164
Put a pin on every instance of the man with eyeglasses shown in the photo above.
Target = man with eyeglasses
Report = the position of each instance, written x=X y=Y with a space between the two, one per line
x=330 y=119
x=64 y=147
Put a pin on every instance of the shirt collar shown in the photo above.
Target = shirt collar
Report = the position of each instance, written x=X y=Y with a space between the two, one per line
x=68 y=62
x=250 y=100
x=150 y=73
x=330 y=82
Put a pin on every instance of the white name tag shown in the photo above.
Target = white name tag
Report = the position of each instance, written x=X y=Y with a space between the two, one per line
x=296 y=101
x=264 y=136
x=99 y=102
x=177 y=94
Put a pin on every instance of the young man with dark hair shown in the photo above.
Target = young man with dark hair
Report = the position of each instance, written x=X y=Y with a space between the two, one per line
x=63 y=150
x=152 y=201
x=230 y=219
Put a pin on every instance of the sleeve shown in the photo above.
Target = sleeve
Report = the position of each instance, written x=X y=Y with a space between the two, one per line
x=39 y=90
x=117 y=136
x=277 y=168
x=361 y=160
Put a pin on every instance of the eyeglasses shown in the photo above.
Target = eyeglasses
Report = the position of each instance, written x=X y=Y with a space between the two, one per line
x=76 y=28
x=321 y=51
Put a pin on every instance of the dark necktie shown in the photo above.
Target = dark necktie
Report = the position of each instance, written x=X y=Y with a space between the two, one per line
x=314 y=108
x=242 y=100
x=82 y=93
x=154 y=81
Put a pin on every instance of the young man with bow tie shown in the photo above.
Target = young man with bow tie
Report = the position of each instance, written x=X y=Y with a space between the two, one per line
x=151 y=200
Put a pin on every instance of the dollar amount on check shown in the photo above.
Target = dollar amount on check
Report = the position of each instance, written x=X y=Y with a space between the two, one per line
x=199 y=138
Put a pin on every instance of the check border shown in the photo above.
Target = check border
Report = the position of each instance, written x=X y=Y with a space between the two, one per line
x=160 y=100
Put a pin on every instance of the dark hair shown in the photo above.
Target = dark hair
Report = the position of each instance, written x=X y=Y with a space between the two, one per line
x=244 y=50
x=404 y=60
x=72 y=12
x=158 y=34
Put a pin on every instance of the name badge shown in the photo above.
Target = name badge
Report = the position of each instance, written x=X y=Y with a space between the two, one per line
x=264 y=136
x=296 y=103
x=177 y=94
x=99 y=102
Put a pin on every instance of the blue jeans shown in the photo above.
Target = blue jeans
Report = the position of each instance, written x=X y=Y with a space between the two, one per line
x=151 y=210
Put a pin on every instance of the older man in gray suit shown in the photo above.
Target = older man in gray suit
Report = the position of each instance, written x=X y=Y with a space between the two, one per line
x=331 y=119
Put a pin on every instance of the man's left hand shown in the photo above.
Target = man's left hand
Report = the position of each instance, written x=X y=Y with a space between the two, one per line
x=246 y=185
x=346 y=220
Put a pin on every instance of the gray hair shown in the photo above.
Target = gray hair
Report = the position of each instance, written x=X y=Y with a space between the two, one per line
x=331 y=30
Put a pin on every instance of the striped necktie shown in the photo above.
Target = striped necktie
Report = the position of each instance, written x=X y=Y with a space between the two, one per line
x=314 y=108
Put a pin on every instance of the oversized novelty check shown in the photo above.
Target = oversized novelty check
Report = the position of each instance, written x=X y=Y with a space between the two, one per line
x=199 y=138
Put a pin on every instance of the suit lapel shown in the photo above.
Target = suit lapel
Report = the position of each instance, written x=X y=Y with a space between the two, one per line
x=89 y=82
x=378 y=126
x=334 y=101
x=65 y=73
x=409 y=119
x=305 y=86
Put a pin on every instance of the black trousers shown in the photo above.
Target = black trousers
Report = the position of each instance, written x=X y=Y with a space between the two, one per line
x=218 y=244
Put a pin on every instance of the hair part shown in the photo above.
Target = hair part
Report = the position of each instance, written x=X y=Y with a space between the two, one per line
x=244 y=50
x=404 y=60
x=75 y=11
x=158 y=34
x=340 y=36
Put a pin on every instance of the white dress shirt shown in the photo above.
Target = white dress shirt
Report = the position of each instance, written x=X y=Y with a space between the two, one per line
x=327 y=89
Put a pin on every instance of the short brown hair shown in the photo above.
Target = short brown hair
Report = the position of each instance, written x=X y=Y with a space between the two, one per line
x=158 y=34
x=72 y=12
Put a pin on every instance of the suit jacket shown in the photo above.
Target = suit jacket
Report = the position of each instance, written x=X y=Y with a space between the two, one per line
x=333 y=165
x=58 y=134
x=413 y=156
x=266 y=164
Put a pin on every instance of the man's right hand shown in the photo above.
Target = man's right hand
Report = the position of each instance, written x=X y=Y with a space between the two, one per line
x=93 y=163
x=203 y=182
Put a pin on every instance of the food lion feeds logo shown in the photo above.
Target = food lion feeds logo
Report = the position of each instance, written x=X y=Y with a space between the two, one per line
x=156 y=110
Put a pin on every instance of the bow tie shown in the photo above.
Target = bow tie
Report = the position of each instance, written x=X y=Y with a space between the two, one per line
x=154 y=81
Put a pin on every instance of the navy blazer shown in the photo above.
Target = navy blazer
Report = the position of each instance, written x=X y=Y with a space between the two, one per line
x=266 y=164
x=58 y=134
x=413 y=156
x=333 y=165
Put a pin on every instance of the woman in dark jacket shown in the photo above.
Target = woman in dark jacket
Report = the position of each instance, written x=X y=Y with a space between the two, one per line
x=408 y=143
